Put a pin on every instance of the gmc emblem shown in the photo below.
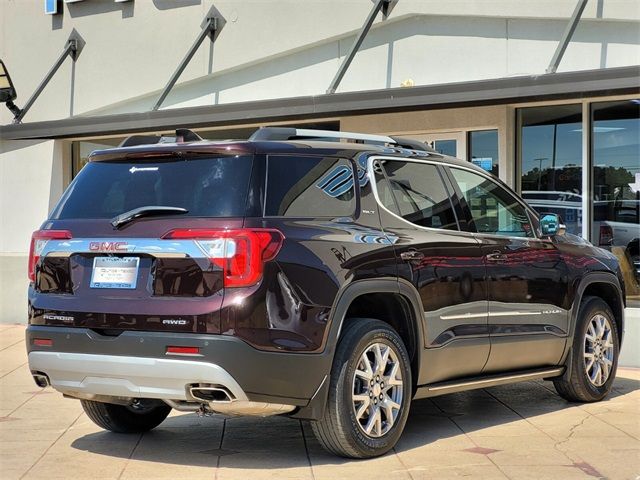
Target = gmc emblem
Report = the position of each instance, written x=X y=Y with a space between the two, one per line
x=108 y=246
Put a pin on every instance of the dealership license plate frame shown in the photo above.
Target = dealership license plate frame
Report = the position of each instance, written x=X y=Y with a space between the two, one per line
x=115 y=272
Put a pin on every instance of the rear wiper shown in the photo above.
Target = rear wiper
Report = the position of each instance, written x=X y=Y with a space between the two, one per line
x=131 y=215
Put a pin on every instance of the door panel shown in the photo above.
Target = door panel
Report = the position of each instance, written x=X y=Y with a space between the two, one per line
x=445 y=265
x=527 y=278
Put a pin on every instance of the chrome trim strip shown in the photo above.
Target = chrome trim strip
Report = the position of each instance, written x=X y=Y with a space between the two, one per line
x=156 y=247
x=488 y=314
x=374 y=188
x=496 y=380
x=463 y=316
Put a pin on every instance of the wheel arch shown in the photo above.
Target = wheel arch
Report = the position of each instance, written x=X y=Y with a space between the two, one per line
x=605 y=286
x=378 y=298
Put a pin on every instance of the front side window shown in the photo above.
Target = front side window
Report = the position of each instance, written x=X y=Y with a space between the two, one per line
x=416 y=192
x=299 y=186
x=493 y=209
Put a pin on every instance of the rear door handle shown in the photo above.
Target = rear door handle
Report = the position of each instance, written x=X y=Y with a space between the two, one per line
x=496 y=256
x=411 y=256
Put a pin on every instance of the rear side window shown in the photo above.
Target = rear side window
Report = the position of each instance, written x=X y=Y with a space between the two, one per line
x=418 y=194
x=206 y=187
x=299 y=186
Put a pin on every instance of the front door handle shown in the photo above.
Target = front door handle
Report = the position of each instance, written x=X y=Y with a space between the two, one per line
x=412 y=256
x=496 y=256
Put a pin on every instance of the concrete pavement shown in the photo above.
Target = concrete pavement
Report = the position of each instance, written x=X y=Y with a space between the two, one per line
x=520 y=431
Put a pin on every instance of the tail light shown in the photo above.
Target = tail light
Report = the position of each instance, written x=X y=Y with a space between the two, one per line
x=606 y=235
x=38 y=241
x=240 y=253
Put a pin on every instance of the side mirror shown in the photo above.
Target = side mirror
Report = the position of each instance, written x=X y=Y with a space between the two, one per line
x=7 y=91
x=551 y=224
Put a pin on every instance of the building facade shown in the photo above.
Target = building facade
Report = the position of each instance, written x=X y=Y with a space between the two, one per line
x=487 y=81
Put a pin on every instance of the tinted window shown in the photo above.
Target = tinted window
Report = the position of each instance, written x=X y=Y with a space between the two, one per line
x=206 y=187
x=493 y=209
x=419 y=195
x=309 y=187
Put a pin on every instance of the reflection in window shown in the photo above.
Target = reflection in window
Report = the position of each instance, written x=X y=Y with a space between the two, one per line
x=416 y=193
x=300 y=186
x=550 y=157
x=616 y=175
x=492 y=208
x=483 y=150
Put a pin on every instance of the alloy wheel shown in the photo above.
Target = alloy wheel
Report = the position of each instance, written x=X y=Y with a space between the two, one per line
x=377 y=390
x=598 y=350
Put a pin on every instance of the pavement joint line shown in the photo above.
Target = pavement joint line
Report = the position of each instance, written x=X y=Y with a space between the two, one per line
x=50 y=446
x=556 y=443
x=12 y=345
x=595 y=415
x=133 y=450
x=22 y=404
x=224 y=427
x=19 y=366
x=306 y=449
x=472 y=441
x=407 y=469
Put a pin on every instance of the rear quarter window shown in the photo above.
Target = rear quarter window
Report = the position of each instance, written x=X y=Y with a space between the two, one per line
x=305 y=186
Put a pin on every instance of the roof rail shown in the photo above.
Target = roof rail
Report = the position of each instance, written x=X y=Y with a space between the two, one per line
x=182 y=135
x=287 y=133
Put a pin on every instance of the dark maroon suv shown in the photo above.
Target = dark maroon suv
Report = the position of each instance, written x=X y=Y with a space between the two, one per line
x=301 y=274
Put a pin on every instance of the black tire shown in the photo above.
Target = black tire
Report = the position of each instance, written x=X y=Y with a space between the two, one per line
x=339 y=431
x=576 y=386
x=146 y=415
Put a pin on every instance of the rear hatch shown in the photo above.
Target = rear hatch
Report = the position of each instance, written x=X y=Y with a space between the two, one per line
x=163 y=270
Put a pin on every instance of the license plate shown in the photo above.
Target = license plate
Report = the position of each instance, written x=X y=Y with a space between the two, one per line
x=114 y=272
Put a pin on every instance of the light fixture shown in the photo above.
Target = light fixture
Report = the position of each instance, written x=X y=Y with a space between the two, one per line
x=7 y=91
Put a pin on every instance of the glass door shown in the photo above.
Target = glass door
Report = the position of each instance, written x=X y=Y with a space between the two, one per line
x=447 y=143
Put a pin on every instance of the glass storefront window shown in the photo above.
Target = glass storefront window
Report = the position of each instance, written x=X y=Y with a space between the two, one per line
x=80 y=152
x=550 y=161
x=615 y=134
x=483 y=150
x=446 y=147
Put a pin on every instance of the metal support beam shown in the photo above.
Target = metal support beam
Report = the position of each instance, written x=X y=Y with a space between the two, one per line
x=566 y=36
x=385 y=6
x=73 y=47
x=211 y=27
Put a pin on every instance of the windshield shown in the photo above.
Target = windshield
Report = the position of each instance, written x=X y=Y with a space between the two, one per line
x=205 y=187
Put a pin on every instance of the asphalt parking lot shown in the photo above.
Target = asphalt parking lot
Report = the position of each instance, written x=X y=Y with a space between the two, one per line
x=520 y=431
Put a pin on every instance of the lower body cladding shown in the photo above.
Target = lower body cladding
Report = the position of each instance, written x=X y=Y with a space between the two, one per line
x=227 y=375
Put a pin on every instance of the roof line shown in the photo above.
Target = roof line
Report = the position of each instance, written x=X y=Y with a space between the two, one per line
x=601 y=82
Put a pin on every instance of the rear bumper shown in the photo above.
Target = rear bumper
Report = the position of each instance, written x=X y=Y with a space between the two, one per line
x=135 y=364
x=82 y=374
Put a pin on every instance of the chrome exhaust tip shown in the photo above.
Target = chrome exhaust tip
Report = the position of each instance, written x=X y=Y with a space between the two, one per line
x=41 y=380
x=211 y=393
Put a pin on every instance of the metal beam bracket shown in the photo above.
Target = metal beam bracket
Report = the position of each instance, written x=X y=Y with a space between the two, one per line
x=211 y=27
x=73 y=47
x=379 y=5
x=566 y=36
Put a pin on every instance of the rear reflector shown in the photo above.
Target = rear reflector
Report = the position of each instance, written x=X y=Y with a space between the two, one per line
x=43 y=342
x=183 y=350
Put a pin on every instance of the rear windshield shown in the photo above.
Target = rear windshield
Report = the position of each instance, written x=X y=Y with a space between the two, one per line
x=206 y=187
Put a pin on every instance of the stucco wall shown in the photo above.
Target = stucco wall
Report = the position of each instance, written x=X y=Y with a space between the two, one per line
x=284 y=48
